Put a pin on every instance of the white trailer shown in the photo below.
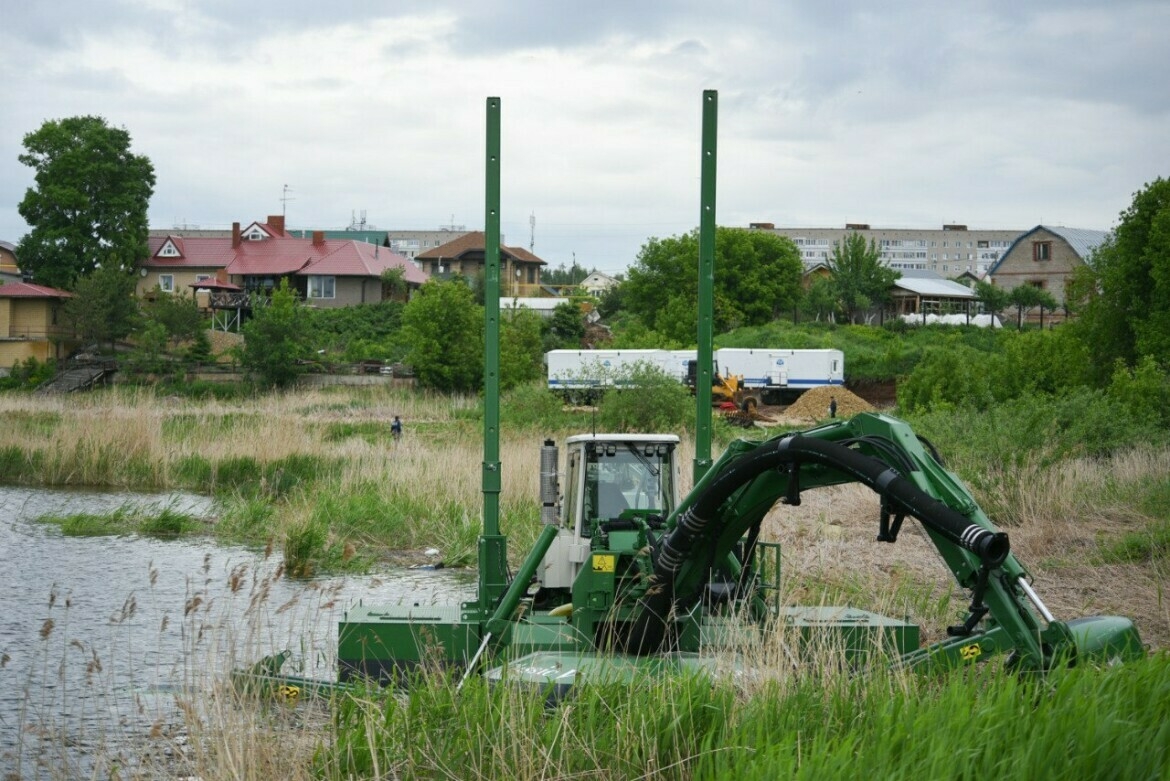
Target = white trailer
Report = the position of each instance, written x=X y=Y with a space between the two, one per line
x=572 y=370
x=780 y=375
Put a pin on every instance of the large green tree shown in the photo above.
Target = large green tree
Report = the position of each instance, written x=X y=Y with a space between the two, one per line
x=103 y=308
x=443 y=327
x=860 y=280
x=88 y=207
x=277 y=339
x=757 y=276
x=1124 y=293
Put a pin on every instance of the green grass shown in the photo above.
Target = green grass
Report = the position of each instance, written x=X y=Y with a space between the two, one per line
x=165 y=523
x=984 y=723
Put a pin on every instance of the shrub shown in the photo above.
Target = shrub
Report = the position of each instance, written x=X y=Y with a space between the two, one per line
x=653 y=402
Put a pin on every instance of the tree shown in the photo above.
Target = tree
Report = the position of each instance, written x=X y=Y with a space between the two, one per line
x=520 y=348
x=178 y=315
x=103 y=308
x=88 y=208
x=859 y=278
x=443 y=328
x=820 y=299
x=994 y=299
x=1026 y=297
x=565 y=328
x=276 y=339
x=1125 y=304
x=757 y=276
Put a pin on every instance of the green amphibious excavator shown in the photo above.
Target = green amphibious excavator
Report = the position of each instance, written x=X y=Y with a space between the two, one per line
x=626 y=578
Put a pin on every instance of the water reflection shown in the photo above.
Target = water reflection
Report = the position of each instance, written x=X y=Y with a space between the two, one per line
x=97 y=632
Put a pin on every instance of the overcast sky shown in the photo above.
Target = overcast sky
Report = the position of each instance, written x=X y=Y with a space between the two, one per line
x=900 y=114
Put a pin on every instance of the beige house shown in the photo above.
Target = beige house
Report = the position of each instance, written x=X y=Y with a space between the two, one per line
x=31 y=325
x=597 y=283
x=1046 y=257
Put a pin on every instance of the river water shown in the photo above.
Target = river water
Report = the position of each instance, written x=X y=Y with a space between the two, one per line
x=100 y=635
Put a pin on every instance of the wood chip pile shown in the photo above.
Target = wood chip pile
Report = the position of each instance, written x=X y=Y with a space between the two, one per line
x=814 y=404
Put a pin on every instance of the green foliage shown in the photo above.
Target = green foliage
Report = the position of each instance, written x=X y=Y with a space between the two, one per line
x=565 y=329
x=1026 y=297
x=1143 y=390
x=443 y=328
x=654 y=402
x=149 y=354
x=88 y=209
x=362 y=332
x=1035 y=426
x=166 y=523
x=994 y=299
x=758 y=277
x=276 y=339
x=177 y=314
x=948 y=378
x=1073 y=724
x=28 y=374
x=533 y=406
x=1125 y=299
x=394 y=281
x=860 y=280
x=103 y=308
x=820 y=299
x=574 y=275
x=520 y=348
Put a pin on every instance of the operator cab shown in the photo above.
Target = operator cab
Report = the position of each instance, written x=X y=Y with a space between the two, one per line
x=609 y=474
x=608 y=477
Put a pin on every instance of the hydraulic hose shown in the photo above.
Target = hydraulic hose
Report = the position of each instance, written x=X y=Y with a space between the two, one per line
x=647 y=631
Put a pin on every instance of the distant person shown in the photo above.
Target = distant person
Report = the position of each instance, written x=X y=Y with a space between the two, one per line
x=832 y=406
x=396 y=428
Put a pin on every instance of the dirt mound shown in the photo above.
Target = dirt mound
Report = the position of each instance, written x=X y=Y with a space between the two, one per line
x=814 y=404
x=222 y=342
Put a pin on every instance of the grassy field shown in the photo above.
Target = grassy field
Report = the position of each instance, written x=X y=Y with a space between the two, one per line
x=316 y=475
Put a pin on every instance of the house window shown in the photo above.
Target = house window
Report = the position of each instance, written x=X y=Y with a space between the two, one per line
x=1042 y=250
x=166 y=283
x=168 y=251
x=321 y=287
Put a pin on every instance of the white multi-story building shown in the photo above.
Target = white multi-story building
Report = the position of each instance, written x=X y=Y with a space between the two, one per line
x=949 y=251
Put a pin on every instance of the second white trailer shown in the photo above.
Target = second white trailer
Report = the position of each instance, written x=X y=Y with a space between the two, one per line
x=781 y=375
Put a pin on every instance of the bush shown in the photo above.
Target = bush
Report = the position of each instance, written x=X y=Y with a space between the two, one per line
x=955 y=377
x=654 y=403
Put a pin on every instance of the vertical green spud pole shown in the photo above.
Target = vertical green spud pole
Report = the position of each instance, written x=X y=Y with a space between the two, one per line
x=493 y=565
x=706 y=353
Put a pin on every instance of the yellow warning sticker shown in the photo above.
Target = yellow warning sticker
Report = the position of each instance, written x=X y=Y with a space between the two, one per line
x=970 y=652
x=604 y=562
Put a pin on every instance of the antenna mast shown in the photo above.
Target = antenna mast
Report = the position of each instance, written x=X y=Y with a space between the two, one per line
x=284 y=199
x=532 y=233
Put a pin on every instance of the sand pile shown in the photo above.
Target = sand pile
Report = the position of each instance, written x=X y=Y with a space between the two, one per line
x=814 y=404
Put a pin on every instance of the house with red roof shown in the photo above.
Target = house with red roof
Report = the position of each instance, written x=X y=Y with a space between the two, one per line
x=324 y=272
x=31 y=323
x=519 y=268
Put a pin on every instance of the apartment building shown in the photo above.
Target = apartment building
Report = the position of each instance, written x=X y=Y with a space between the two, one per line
x=948 y=251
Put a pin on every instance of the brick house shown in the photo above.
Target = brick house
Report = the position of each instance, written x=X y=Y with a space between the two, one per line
x=1046 y=257
x=519 y=268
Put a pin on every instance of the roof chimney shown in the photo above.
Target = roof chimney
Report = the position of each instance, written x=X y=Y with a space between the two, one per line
x=235 y=235
x=318 y=238
x=276 y=222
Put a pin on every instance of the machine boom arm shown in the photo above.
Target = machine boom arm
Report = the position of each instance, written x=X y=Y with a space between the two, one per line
x=882 y=453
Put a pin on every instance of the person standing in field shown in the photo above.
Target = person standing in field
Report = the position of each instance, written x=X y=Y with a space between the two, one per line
x=832 y=406
x=396 y=428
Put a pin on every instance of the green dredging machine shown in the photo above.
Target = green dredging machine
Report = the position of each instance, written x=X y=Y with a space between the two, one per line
x=626 y=578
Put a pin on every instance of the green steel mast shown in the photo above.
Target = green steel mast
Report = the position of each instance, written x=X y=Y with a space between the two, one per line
x=493 y=551
x=705 y=354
